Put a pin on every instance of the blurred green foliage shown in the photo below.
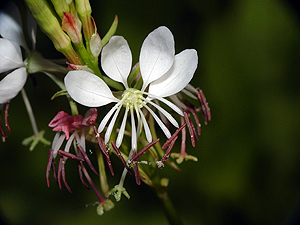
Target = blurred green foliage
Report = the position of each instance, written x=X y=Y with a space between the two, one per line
x=248 y=169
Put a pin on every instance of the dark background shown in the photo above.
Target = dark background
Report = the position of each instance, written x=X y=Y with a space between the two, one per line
x=248 y=170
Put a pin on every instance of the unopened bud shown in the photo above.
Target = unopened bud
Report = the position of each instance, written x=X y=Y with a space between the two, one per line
x=61 y=7
x=72 y=25
x=84 y=11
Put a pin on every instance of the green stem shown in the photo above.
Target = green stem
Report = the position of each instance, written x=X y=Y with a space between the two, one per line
x=102 y=173
x=85 y=57
x=169 y=209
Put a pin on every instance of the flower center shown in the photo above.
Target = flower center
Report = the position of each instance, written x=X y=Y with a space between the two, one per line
x=132 y=97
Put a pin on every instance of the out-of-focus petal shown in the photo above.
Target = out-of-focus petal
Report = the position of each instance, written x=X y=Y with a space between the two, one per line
x=11 y=25
x=12 y=84
x=32 y=26
x=157 y=55
x=178 y=76
x=88 y=89
x=10 y=55
x=116 y=59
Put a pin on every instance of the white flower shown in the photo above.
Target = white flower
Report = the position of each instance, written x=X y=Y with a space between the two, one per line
x=10 y=53
x=163 y=74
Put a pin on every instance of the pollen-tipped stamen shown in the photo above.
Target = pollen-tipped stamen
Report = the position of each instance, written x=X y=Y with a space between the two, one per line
x=141 y=152
x=6 y=117
x=86 y=159
x=81 y=176
x=190 y=128
x=120 y=156
x=204 y=106
x=136 y=170
x=173 y=136
x=61 y=173
x=104 y=150
x=86 y=174
x=191 y=110
x=70 y=155
x=167 y=153
x=50 y=165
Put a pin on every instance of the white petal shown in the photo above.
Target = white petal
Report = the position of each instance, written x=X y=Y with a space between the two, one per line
x=32 y=27
x=12 y=84
x=11 y=25
x=116 y=59
x=122 y=128
x=178 y=76
x=88 y=89
x=157 y=55
x=10 y=55
x=95 y=45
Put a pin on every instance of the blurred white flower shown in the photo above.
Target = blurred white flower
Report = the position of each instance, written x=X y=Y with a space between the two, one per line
x=11 y=60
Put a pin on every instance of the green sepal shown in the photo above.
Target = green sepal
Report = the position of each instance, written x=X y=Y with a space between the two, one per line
x=59 y=93
x=112 y=30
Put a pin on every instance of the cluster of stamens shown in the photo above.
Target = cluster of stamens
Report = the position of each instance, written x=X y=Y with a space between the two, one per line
x=132 y=98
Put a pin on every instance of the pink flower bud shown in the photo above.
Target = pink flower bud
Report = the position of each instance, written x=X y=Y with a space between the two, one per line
x=72 y=25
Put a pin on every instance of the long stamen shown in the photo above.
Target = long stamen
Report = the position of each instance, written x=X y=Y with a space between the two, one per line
x=190 y=128
x=86 y=158
x=139 y=127
x=146 y=127
x=160 y=123
x=107 y=116
x=173 y=136
x=50 y=165
x=6 y=117
x=141 y=152
x=168 y=103
x=101 y=199
x=176 y=100
x=111 y=125
x=196 y=119
x=104 y=150
x=167 y=153
x=57 y=142
x=204 y=106
x=81 y=176
x=122 y=128
x=183 y=138
x=69 y=142
x=120 y=156
x=166 y=114
x=64 y=176
x=188 y=93
x=70 y=155
x=133 y=131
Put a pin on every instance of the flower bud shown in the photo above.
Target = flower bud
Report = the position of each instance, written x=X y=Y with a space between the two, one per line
x=72 y=25
x=60 y=7
x=84 y=11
